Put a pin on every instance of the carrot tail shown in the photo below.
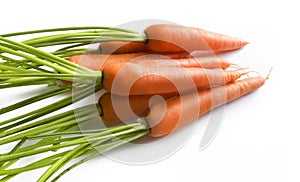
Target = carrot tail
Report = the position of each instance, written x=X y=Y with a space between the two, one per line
x=182 y=110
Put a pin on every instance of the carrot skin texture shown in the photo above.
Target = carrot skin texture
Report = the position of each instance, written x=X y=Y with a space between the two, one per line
x=193 y=62
x=117 y=108
x=204 y=62
x=97 y=62
x=174 y=38
x=175 y=113
x=134 y=79
x=119 y=47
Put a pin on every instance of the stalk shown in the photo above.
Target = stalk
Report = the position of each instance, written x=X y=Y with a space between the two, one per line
x=94 y=144
x=46 y=125
x=50 y=108
x=110 y=133
x=89 y=34
x=66 y=29
x=34 y=99
x=92 y=150
x=50 y=58
x=27 y=81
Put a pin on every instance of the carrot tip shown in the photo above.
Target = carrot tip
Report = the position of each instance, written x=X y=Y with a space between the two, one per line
x=252 y=71
x=233 y=65
x=269 y=73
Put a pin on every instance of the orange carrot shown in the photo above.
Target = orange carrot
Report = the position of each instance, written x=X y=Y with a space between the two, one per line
x=174 y=38
x=117 y=108
x=134 y=79
x=98 y=61
x=118 y=47
x=199 y=62
x=182 y=110
x=204 y=62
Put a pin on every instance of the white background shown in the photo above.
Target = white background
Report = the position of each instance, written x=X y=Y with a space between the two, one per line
x=259 y=137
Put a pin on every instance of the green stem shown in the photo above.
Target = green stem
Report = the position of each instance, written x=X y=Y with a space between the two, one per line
x=69 y=50
x=99 y=151
x=68 y=133
x=38 y=164
x=52 y=107
x=35 y=59
x=103 y=135
x=72 y=46
x=42 y=163
x=47 y=124
x=25 y=80
x=45 y=55
x=18 y=70
x=34 y=99
x=51 y=38
x=63 y=160
x=52 y=140
x=70 y=53
x=59 y=160
x=111 y=130
x=22 y=141
x=25 y=64
x=15 y=47
x=86 y=41
x=72 y=154
x=80 y=35
x=65 y=29
x=18 y=82
x=50 y=75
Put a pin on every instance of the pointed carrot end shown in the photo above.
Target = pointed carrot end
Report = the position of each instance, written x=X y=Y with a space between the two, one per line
x=244 y=42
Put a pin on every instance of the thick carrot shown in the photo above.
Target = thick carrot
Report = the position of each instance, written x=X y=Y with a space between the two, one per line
x=98 y=61
x=181 y=110
x=174 y=38
x=118 y=47
x=117 y=108
x=134 y=79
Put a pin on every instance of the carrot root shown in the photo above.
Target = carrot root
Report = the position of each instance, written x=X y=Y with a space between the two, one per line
x=174 y=38
x=133 y=79
x=182 y=110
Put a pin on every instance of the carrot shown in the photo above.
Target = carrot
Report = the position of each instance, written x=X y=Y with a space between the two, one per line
x=117 y=108
x=118 y=47
x=199 y=62
x=181 y=110
x=98 y=61
x=174 y=38
x=134 y=79
x=204 y=62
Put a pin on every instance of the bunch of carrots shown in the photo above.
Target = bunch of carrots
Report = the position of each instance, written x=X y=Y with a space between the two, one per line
x=152 y=79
